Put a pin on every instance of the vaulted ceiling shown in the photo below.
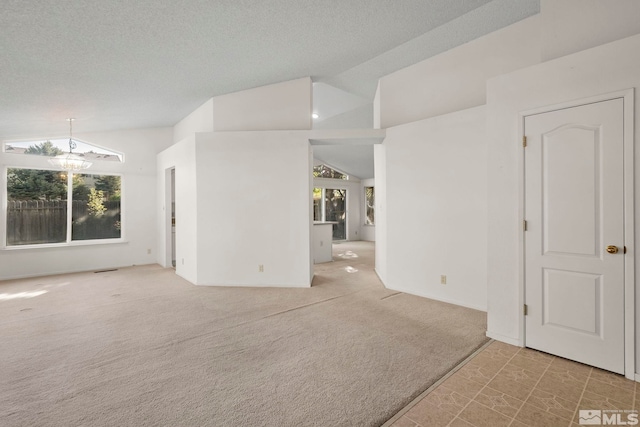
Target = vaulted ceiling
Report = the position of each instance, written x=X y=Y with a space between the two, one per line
x=122 y=64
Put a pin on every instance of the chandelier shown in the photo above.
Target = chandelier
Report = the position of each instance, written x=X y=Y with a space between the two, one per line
x=70 y=161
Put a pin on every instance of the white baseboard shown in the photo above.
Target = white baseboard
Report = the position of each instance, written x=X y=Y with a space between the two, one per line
x=437 y=298
x=72 y=271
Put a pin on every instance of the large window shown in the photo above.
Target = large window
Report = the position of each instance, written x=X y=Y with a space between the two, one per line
x=330 y=205
x=46 y=206
x=369 y=200
x=37 y=207
x=335 y=211
x=318 y=211
x=96 y=207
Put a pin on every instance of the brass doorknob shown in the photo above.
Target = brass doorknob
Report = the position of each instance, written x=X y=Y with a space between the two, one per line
x=612 y=249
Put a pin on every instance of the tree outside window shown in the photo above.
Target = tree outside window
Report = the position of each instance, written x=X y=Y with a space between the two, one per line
x=369 y=197
x=324 y=171
x=96 y=208
x=38 y=207
x=41 y=209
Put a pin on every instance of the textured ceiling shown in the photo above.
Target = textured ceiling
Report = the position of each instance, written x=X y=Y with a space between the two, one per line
x=121 y=64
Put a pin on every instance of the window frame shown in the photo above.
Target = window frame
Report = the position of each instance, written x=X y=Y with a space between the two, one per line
x=69 y=241
x=345 y=176
x=118 y=154
x=366 y=217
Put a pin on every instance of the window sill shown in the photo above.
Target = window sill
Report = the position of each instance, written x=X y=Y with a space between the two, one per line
x=66 y=245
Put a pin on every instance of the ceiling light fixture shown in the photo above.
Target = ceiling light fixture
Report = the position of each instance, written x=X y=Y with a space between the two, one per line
x=70 y=161
x=315 y=115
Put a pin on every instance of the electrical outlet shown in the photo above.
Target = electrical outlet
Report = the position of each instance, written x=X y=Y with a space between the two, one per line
x=260 y=268
x=182 y=261
x=148 y=251
x=443 y=279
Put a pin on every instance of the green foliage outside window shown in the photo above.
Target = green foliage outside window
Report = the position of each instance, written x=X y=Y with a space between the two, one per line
x=324 y=171
x=35 y=184
x=44 y=149
x=95 y=205
x=369 y=197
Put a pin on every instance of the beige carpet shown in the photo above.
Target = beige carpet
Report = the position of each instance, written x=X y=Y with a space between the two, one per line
x=141 y=347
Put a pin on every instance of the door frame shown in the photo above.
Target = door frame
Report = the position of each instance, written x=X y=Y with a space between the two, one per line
x=627 y=95
x=167 y=256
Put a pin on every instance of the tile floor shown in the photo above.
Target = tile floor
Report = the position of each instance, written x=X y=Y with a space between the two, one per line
x=505 y=385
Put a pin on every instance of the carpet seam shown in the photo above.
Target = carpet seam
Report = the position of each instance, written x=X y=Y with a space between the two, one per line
x=251 y=321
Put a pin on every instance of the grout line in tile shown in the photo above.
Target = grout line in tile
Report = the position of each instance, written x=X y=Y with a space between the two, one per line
x=575 y=411
x=435 y=385
x=524 y=401
x=483 y=387
x=482 y=404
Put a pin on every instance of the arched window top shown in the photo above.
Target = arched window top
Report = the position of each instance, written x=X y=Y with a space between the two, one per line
x=54 y=147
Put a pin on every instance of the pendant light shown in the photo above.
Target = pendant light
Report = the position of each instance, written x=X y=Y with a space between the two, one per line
x=70 y=161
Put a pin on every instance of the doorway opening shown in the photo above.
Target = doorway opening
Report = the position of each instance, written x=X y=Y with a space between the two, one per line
x=169 y=211
x=173 y=217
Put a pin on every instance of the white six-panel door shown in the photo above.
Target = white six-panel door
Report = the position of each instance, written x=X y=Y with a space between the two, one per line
x=574 y=208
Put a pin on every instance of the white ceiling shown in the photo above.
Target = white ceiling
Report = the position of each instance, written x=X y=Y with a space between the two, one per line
x=121 y=64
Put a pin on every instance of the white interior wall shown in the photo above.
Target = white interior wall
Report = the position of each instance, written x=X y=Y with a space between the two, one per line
x=436 y=208
x=380 y=182
x=140 y=147
x=605 y=69
x=310 y=202
x=233 y=212
x=254 y=209
x=377 y=108
x=456 y=79
x=200 y=120
x=368 y=232
x=569 y=26
x=358 y=118
x=281 y=106
x=562 y=28
x=182 y=157
x=354 y=202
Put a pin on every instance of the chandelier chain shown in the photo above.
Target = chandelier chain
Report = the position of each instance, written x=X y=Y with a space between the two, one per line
x=72 y=144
